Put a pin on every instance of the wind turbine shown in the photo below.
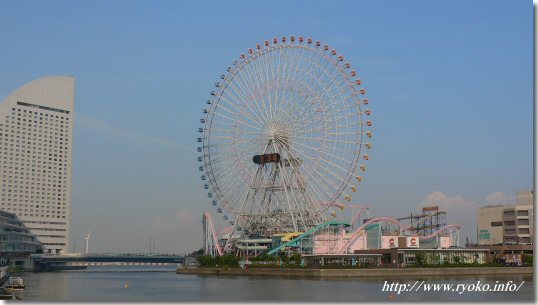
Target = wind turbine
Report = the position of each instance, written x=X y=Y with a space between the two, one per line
x=87 y=239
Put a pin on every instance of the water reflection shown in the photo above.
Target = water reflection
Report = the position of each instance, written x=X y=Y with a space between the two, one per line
x=162 y=284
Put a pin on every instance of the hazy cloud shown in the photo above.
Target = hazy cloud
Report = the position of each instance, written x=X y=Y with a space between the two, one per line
x=447 y=203
x=461 y=210
x=133 y=135
x=160 y=223
x=185 y=216
x=499 y=198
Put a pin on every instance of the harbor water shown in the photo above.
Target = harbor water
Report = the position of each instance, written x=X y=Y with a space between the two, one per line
x=161 y=283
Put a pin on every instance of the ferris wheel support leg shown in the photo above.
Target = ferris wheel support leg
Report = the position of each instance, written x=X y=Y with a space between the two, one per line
x=306 y=200
x=240 y=220
x=287 y=197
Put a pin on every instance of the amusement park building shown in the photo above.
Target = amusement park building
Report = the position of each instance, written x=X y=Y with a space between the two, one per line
x=507 y=224
x=36 y=123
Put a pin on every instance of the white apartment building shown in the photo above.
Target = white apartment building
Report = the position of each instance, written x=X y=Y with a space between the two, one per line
x=36 y=124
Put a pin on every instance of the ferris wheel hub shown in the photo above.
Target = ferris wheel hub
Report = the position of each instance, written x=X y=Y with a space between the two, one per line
x=276 y=131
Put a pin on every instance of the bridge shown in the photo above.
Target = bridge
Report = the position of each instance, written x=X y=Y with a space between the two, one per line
x=44 y=262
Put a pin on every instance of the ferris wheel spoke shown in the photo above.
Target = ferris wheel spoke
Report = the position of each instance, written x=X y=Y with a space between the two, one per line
x=275 y=71
x=311 y=73
x=325 y=153
x=286 y=77
x=301 y=71
x=234 y=120
x=318 y=163
x=320 y=174
x=325 y=139
x=242 y=81
x=239 y=103
x=342 y=113
x=231 y=190
x=243 y=92
x=239 y=110
x=263 y=79
x=317 y=186
x=232 y=131
x=228 y=124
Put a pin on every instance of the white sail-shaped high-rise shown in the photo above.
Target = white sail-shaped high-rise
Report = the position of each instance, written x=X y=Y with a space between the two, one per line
x=36 y=124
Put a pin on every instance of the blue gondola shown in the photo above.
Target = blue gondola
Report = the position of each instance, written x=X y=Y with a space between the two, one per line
x=200 y=159
x=205 y=111
x=219 y=210
x=202 y=121
x=199 y=149
x=200 y=129
x=225 y=217
x=210 y=195
x=206 y=186
x=199 y=139
x=203 y=177
x=214 y=202
x=208 y=102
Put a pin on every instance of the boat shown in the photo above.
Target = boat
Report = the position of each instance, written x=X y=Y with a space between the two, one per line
x=15 y=283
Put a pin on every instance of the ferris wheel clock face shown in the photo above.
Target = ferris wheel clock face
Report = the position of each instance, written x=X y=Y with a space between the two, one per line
x=283 y=133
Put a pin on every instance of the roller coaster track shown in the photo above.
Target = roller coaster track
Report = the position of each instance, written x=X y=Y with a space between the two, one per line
x=445 y=229
x=225 y=230
x=361 y=209
x=213 y=236
x=309 y=232
x=211 y=239
x=355 y=234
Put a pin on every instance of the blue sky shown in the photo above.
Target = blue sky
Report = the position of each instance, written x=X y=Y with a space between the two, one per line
x=450 y=86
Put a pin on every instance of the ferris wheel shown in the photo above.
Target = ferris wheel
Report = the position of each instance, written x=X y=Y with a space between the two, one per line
x=283 y=135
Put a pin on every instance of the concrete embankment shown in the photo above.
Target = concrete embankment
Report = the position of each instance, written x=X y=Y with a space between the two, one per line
x=359 y=272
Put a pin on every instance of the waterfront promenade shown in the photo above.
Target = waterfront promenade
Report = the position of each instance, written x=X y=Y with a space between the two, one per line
x=388 y=272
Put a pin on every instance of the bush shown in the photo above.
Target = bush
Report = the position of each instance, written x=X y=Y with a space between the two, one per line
x=218 y=261
x=527 y=260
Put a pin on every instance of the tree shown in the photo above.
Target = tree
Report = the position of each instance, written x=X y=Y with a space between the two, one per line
x=420 y=259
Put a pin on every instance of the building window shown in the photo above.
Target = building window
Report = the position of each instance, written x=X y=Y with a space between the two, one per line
x=523 y=213
x=523 y=231
x=523 y=222
x=509 y=213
